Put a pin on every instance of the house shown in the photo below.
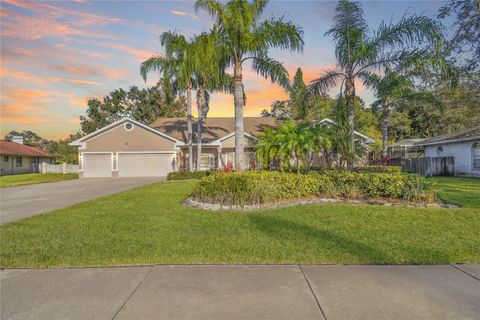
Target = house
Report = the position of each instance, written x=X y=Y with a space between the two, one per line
x=128 y=148
x=17 y=158
x=403 y=150
x=463 y=146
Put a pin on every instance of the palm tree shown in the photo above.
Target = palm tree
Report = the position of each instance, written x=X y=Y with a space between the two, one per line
x=359 y=53
x=241 y=37
x=266 y=148
x=390 y=90
x=176 y=64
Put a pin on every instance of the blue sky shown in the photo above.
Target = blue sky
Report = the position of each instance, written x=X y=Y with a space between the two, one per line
x=55 y=55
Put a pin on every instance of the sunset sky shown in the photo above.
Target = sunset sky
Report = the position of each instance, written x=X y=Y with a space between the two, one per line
x=56 y=55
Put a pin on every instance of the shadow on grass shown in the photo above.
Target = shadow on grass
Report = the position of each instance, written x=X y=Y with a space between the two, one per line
x=342 y=248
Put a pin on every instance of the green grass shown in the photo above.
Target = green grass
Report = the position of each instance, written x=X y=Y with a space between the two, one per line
x=460 y=191
x=34 y=178
x=149 y=225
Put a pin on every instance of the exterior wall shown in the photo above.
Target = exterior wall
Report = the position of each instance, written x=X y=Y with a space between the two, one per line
x=463 y=156
x=10 y=167
x=230 y=142
x=119 y=139
x=182 y=156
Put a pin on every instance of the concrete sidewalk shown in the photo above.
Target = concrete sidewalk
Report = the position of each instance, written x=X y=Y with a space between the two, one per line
x=243 y=292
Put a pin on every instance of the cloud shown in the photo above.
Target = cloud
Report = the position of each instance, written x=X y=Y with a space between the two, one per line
x=140 y=54
x=178 y=13
x=86 y=70
x=84 y=82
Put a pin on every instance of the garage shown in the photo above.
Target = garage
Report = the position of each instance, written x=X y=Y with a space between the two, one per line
x=97 y=165
x=145 y=164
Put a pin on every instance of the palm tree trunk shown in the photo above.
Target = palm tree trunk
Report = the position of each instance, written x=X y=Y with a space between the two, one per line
x=350 y=99
x=239 y=104
x=384 y=128
x=189 y=129
x=200 y=104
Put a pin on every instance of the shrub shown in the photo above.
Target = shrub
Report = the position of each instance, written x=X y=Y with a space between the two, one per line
x=185 y=175
x=379 y=168
x=271 y=186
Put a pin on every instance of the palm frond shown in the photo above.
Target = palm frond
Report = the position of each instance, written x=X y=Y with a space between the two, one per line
x=320 y=85
x=156 y=63
x=214 y=8
x=258 y=6
x=270 y=68
x=278 y=34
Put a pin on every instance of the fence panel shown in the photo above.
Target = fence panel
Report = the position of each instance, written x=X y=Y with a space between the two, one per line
x=431 y=166
x=59 y=168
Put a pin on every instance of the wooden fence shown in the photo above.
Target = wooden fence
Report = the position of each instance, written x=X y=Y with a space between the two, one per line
x=431 y=166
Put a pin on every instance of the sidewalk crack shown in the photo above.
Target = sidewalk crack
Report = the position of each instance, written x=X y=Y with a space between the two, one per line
x=131 y=294
x=313 y=293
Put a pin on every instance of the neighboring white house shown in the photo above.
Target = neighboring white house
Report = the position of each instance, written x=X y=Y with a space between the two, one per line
x=463 y=145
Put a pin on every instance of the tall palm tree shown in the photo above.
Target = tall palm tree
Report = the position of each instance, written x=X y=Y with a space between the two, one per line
x=209 y=75
x=176 y=64
x=359 y=53
x=394 y=90
x=241 y=37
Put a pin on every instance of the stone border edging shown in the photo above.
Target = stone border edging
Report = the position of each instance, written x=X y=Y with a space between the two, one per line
x=190 y=202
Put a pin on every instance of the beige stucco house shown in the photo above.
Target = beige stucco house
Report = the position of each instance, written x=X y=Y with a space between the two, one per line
x=128 y=148
x=17 y=158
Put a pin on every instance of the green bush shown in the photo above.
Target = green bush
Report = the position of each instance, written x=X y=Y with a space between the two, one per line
x=384 y=169
x=258 y=187
x=186 y=175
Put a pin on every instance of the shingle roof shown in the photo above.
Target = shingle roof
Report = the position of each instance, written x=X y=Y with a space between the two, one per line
x=406 y=142
x=458 y=136
x=213 y=128
x=14 y=149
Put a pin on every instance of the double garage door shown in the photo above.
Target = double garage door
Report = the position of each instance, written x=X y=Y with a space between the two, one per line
x=128 y=164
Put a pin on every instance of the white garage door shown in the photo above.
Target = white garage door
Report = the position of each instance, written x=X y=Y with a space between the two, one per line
x=145 y=164
x=97 y=165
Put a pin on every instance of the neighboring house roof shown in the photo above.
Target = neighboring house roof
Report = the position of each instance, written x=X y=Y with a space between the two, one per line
x=406 y=143
x=80 y=141
x=214 y=129
x=364 y=137
x=468 y=134
x=17 y=149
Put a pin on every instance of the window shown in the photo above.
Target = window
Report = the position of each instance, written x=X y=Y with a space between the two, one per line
x=128 y=126
x=476 y=155
x=5 y=158
x=439 y=151
x=19 y=161
x=207 y=161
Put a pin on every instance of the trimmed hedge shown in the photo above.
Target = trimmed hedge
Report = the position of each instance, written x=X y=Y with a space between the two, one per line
x=186 y=175
x=384 y=169
x=259 y=187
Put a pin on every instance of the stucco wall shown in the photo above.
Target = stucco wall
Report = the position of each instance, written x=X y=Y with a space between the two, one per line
x=119 y=139
x=462 y=153
x=230 y=142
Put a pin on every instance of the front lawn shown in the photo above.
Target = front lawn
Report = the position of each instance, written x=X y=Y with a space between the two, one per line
x=149 y=225
x=460 y=191
x=33 y=178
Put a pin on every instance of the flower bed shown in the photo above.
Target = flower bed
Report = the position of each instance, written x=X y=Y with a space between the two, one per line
x=263 y=187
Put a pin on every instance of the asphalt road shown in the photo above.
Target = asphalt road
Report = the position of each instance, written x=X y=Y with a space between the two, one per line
x=26 y=201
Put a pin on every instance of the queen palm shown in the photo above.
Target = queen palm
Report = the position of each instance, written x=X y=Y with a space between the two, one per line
x=359 y=52
x=242 y=37
x=177 y=64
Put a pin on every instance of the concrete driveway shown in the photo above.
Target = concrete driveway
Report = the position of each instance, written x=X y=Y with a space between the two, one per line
x=26 y=201
x=332 y=292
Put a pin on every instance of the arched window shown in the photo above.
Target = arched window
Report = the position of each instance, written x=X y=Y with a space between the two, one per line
x=476 y=155
x=439 y=151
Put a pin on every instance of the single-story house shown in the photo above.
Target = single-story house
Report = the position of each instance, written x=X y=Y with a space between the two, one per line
x=463 y=145
x=128 y=148
x=404 y=149
x=17 y=158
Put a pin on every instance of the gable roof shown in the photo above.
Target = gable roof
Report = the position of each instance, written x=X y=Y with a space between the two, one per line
x=215 y=129
x=361 y=135
x=80 y=141
x=467 y=134
x=17 y=149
